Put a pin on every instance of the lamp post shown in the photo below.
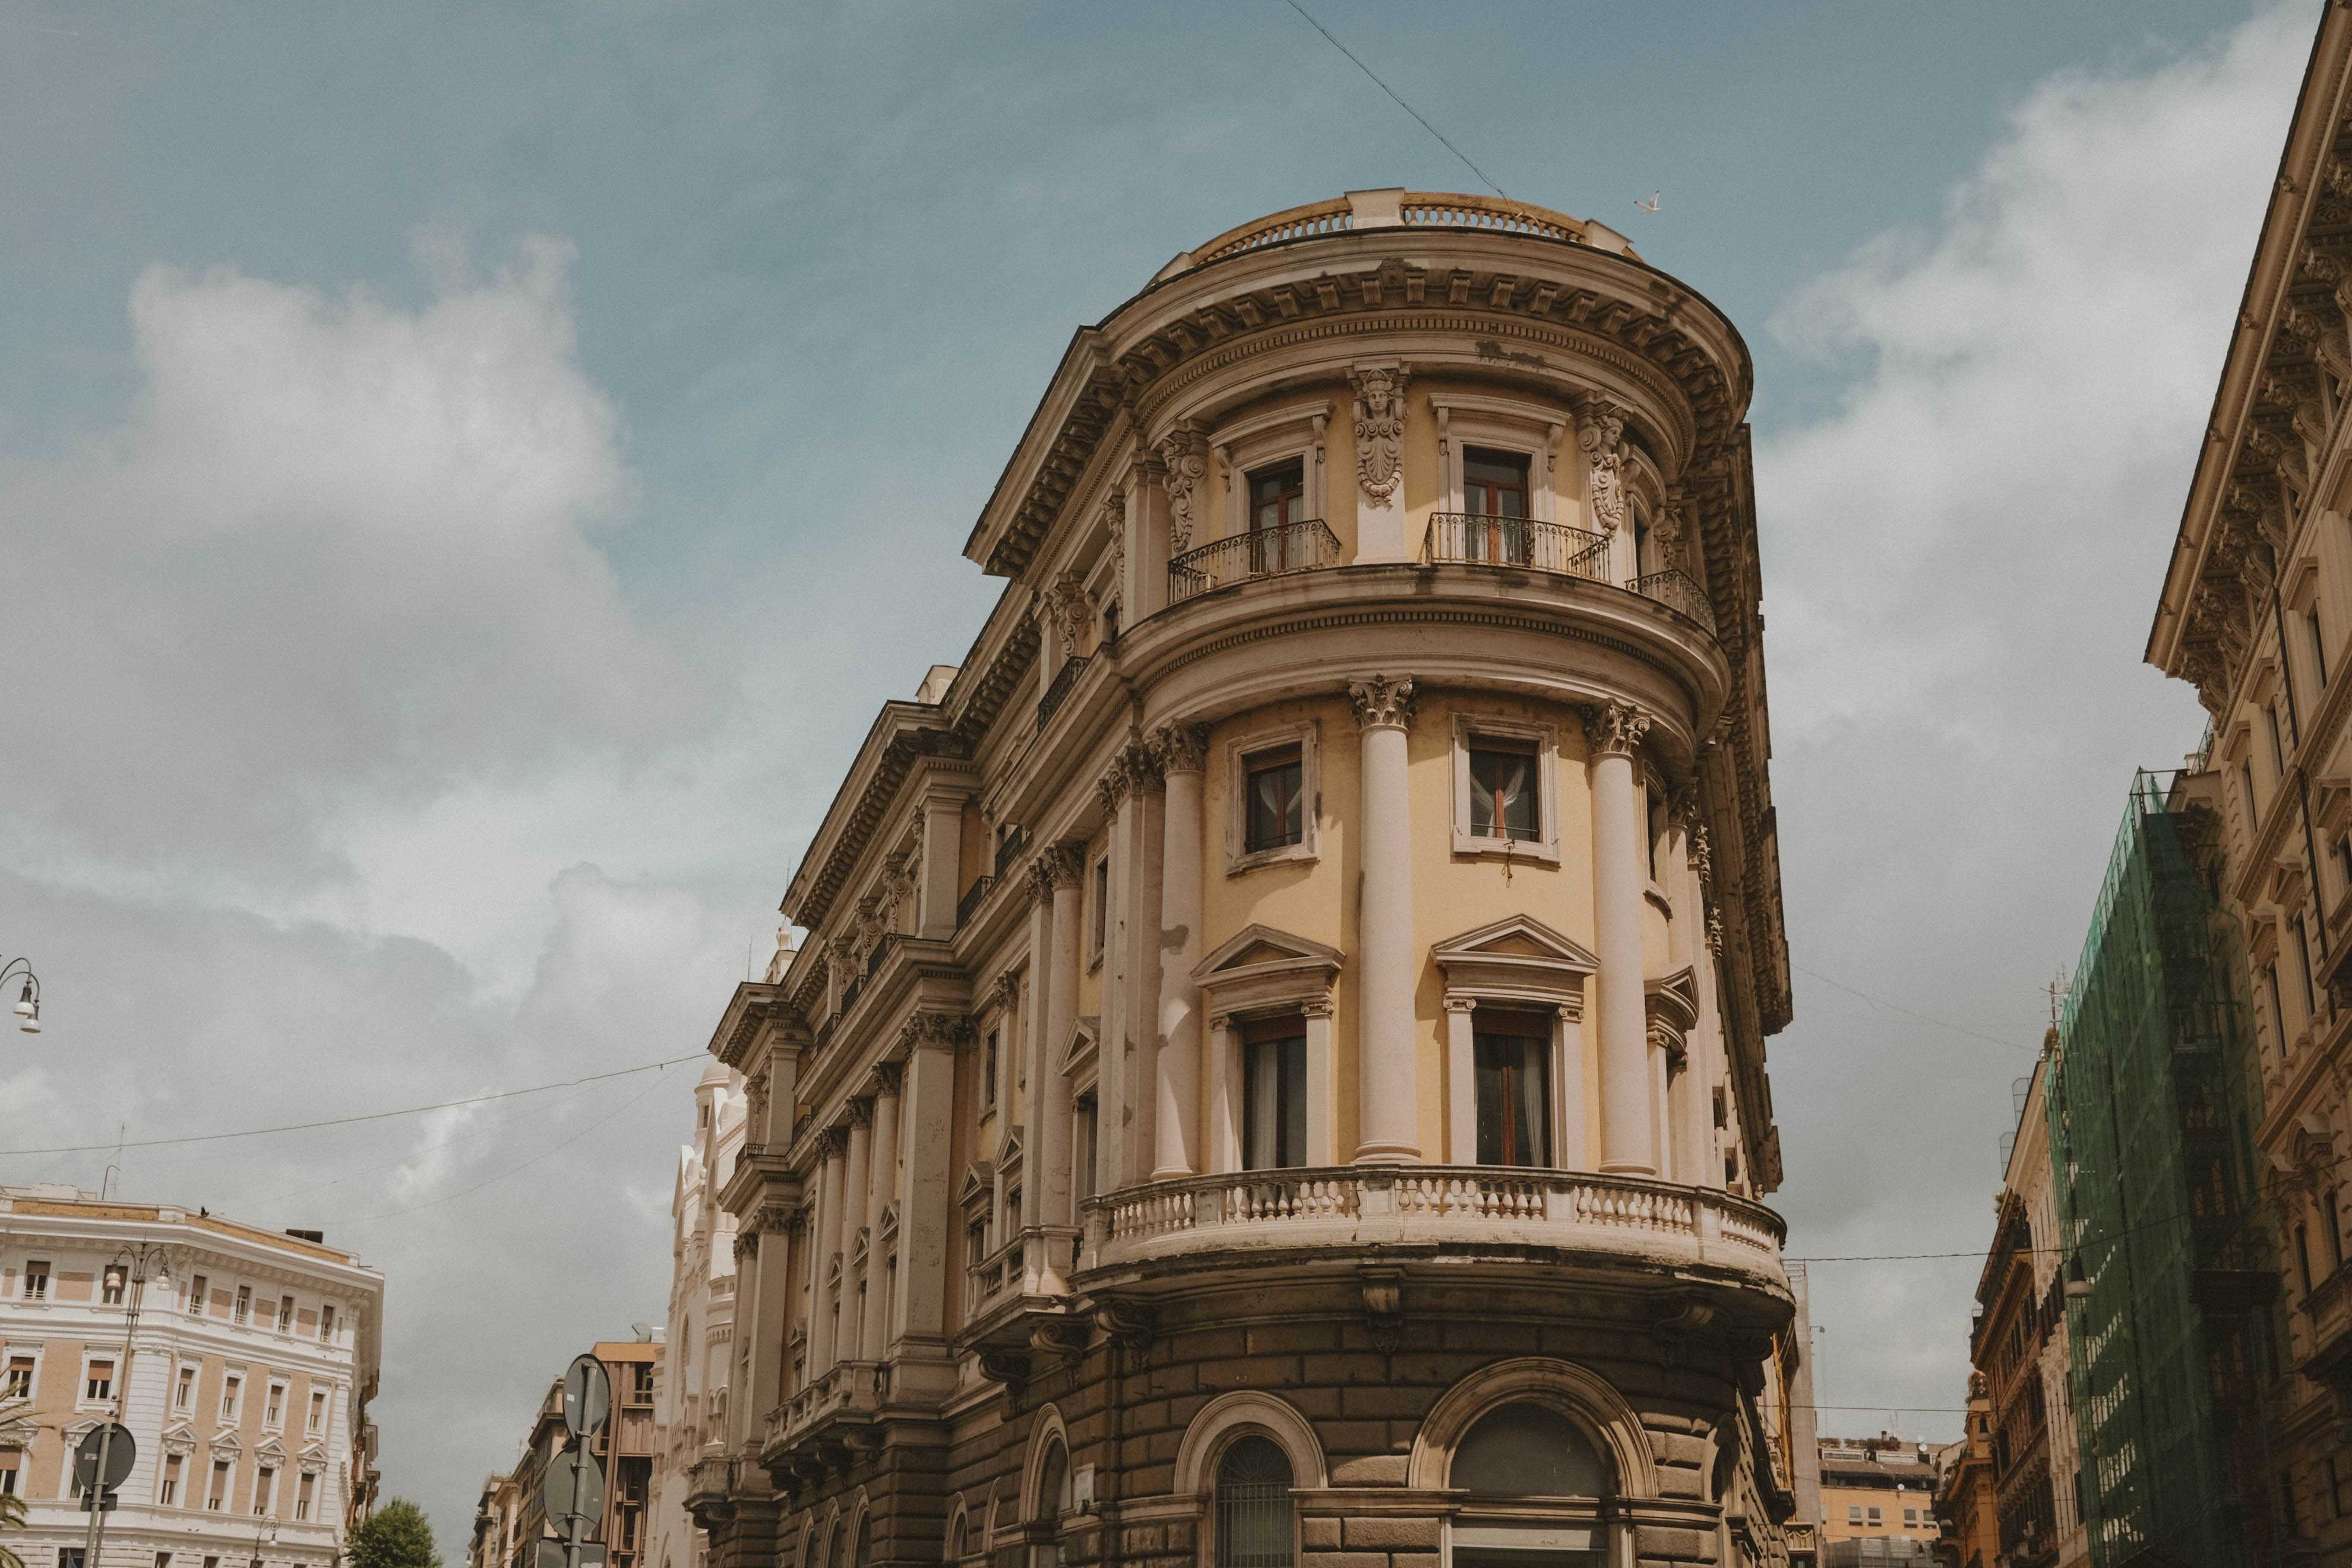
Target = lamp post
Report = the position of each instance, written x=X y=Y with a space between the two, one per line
x=28 y=1001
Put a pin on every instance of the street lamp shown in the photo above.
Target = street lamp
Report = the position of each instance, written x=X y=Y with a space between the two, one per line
x=28 y=1001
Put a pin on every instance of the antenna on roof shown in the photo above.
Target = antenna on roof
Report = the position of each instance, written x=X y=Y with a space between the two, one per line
x=113 y=1170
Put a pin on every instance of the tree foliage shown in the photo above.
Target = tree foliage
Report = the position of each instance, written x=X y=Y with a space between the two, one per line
x=394 y=1536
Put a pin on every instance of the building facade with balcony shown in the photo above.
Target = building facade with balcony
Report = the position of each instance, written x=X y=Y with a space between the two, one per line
x=1276 y=1073
x=698 y=1350
x=511 y=1514
x=2256 y=612
x=244 y=1381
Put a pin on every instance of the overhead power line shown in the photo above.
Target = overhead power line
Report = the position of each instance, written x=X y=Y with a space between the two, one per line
x=1399 y=102
x=1914 y=1014
x=354 y=1120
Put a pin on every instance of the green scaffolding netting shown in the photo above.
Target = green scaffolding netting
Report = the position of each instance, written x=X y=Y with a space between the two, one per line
x=2151 y=1104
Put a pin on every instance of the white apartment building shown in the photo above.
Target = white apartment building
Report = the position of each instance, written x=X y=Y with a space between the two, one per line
x=244 y=1382
x=690 y=1405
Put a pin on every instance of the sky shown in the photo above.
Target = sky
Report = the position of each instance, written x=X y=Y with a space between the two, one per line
x=469 y=473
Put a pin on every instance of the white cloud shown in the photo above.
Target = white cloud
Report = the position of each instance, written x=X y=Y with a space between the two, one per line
x=341 y=557
x=1961 y=561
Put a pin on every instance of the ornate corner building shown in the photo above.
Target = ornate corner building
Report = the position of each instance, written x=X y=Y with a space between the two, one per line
x=2256 y=612
x=1276 y=1073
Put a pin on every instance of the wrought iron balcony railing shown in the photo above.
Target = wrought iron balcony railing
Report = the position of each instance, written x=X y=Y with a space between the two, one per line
x=1517 y=542
x=1261 y=552
x=1064 y=679
x=974 y=897
x=1677 y=592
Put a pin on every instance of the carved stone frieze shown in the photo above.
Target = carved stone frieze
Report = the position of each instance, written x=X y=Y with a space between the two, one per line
x=1071 y=608
x=1382 y=702
x=1184 y=463
x=1616 y=729
x=1600 y=436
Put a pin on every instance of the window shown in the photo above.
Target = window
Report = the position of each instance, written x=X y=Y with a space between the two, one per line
x=217 y=1497
x=18 y=1383
x=196 y=1291
x=2302 y=1257
x=1503 y=793
x=1053 y=1501
x=2278 y=1008
x=36 y=1281
x=2344 y=862
x=1513 y=1063
x=110 y=1286
x=69 y=1557
x=1101 y=928
x=988 y=1074
x=265 y=1491
x=285 y=1314
x=168 y=1491
x=2253 y=804
x=1273 y=1095
x=305 y=1491
x=1910 y=1516
x=163 y=1559
x=184 y=1392
x=1875 y=1517
x=641 y=1383
x=1277 y=808
x=1256 y=1518
x=232 y=1386
x=1526 y=1449
x=12 y=1461
x=317 y=1410
x=1012 y=1210
x=1277 y=500
x=98 y=1381
x=2334 y=1233
x=1494 y=484
x=2319 y=645
x=1081 y=1151
x=326 y=1322
x=244 y=1312
x=273 y=1409
x=975 y=1241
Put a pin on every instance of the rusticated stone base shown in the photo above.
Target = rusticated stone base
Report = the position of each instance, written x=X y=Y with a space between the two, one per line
x=1366 y=1392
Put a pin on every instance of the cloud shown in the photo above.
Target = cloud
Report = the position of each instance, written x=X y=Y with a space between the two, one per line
x=342 y=556
x=1961 y=560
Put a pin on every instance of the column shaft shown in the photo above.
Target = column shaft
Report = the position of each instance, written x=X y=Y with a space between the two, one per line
x=884 y=1184
x=1180 y=752
x=828 y=1247
x=1388 y=1114
x=855 y=1193
x=1627 y=1117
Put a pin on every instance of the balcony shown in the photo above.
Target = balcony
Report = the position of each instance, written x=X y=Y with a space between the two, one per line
x=974 y=897
x=2328 y=1308
x=1678 y=593
x=1522 y=542
x=1263 y=553
x=1259 y=1217
x=1059 y=690
x=816 y=1427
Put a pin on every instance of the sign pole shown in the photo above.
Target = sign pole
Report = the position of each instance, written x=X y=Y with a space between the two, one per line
x=98 y=1498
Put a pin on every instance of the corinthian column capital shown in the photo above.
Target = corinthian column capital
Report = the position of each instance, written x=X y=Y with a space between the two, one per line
x=1180 y=748
x=1616 y=729
x=1382 y=702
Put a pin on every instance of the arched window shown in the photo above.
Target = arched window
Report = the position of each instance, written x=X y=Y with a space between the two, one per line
x=865 y=1544
x=1254 y=1513
x=1053 y=1501
x=960 y=1536
x=840 y=1545
x=1525 y=1449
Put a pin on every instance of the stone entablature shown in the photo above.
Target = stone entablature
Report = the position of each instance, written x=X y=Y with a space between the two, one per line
x=1377 y=931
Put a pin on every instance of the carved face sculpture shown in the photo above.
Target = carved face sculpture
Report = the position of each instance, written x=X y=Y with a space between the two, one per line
x=1380 y=431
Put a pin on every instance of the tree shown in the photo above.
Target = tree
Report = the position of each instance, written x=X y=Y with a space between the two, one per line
x=394 y=1536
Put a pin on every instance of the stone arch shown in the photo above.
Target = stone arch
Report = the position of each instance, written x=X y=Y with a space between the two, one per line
x=1045 y=1431
x=1577 y=1393
x=854 y=1516
x=1227 y=1416
x=958 y=1532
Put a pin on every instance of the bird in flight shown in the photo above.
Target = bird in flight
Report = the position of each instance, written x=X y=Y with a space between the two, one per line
x=1652 y=204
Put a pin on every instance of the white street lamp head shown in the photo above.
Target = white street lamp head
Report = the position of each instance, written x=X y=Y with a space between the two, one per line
x=32 y=1023
x=26 y=1006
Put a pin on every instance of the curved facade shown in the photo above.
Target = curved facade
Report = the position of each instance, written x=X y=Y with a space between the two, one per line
x=1276 y=1072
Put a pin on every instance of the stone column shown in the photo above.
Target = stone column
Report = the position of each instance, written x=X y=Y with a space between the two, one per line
x=1461 y=1083
x=1047 y=1160
x=1612 y=733
x=927 y=1084
x=937 y=892
x=1147 y=805
x=856 y=1190
x=1388 y=1114
x=829 y=1207
x=884 y=1184
x=1181 y=753
x=1114 y=791
x=1322 y=1085
x=768 y=1324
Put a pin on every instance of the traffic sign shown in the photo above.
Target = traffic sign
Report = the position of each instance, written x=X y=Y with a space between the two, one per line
x=573 y=1488
x=112 y=1440
x=555 y=1555
x=587 y=1397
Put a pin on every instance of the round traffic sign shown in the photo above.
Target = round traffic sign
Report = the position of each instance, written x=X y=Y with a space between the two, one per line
x=587 y=1396
x=112 y=1440
x=573 y=1488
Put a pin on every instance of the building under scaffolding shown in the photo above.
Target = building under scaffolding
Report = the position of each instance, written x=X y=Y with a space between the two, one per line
x=2150 y=1105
